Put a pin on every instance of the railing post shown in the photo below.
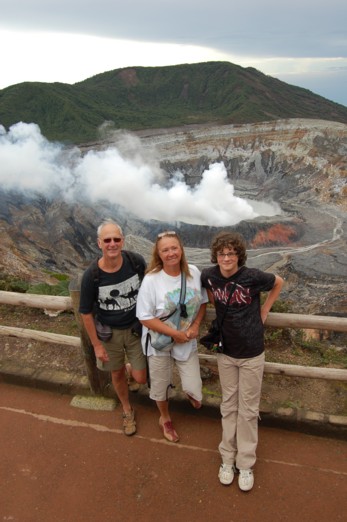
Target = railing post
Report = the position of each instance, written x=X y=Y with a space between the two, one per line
x=99 y=382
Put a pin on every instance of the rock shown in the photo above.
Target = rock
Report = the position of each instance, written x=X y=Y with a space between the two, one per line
x=300 y=164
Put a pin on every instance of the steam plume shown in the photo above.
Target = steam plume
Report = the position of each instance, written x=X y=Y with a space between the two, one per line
x=31 y=164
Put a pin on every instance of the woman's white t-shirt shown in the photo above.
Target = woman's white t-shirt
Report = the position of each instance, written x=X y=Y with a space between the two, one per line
x=159 y=295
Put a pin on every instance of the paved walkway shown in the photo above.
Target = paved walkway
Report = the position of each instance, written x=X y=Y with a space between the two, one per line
x=61 y=463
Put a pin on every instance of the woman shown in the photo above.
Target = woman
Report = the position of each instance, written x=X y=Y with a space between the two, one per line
x=158 y=297
x=235 y=290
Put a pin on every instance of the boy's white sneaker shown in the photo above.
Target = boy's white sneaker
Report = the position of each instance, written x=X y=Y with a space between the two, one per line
x=226 y=474
x=246 y=479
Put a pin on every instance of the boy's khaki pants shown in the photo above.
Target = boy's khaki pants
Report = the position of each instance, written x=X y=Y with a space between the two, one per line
x=241 y=381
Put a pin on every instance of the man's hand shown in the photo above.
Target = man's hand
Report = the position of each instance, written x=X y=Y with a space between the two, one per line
x=100 y=353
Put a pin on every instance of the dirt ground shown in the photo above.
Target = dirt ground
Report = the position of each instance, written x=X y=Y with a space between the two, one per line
x=61 y=463
x=278 y=391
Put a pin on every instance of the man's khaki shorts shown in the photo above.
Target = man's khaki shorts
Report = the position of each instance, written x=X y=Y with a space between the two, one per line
x=123 y=344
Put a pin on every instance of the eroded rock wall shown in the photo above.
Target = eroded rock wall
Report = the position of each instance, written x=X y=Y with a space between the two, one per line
x=300 y=164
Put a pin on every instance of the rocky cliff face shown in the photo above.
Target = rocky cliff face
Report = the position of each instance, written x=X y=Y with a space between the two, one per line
x=285 y=160
x=300 y=164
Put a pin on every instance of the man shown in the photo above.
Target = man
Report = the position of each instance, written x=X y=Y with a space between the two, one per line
x=108 y=293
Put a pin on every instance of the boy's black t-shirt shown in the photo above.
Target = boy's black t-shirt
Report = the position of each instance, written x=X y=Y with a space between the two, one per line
x=116 y=295
x=243 y=329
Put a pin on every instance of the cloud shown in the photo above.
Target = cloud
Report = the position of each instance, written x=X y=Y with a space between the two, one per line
x=126 y=175
x=75 y=40
x=253 y=28
x=70 y=58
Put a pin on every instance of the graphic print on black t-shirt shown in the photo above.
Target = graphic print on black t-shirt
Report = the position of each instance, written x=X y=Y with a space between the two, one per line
x=243 y=329
x=241 y=294
x=121 y=296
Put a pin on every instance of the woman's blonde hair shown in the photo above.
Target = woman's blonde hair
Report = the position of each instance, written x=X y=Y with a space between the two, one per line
x=156 y=264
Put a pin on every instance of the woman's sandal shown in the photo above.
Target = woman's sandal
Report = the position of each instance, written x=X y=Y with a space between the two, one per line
x=196 y=404
x=169 y=431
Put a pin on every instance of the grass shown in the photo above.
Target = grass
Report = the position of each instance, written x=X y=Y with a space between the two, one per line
x=61 y=288
x=288 y=347
x=36 y=319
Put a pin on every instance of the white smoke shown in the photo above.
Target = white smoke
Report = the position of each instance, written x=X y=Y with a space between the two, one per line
x=125 y=174
x=28 y=162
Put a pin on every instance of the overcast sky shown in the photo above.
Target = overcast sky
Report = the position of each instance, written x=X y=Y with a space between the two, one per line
x=302 y=42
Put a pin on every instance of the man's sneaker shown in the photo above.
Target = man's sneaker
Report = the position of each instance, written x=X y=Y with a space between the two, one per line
x=129 y=423
x=246 y=479
x=226 y=474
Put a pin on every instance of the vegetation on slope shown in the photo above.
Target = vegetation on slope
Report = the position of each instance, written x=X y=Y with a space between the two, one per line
x=160 y=97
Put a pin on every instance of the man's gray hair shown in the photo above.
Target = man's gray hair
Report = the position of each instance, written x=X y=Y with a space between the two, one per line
x=108 y=222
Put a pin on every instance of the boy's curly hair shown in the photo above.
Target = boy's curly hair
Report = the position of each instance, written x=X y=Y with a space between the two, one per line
x=231 y=240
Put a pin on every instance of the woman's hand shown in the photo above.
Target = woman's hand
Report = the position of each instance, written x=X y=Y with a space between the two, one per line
x=180 y=336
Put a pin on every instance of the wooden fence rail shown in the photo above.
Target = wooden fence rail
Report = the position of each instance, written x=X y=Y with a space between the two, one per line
x=47 y=302
x=98 y=380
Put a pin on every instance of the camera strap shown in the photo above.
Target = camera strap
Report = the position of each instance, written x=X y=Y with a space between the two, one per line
x=220 y=323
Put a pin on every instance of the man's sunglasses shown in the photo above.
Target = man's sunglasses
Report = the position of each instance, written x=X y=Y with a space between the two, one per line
x=114 y=239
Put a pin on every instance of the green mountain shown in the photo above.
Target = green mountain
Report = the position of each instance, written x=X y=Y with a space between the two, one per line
x=160 y=97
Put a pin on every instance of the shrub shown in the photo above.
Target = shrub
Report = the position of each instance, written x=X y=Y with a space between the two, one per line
x=9 y=284
x=61 y=289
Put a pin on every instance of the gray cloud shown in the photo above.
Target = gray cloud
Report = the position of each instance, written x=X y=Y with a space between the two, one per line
x=296 y=28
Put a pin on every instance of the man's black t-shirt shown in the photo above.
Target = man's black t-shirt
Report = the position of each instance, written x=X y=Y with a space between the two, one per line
x=242 y=330
x=116 y=295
